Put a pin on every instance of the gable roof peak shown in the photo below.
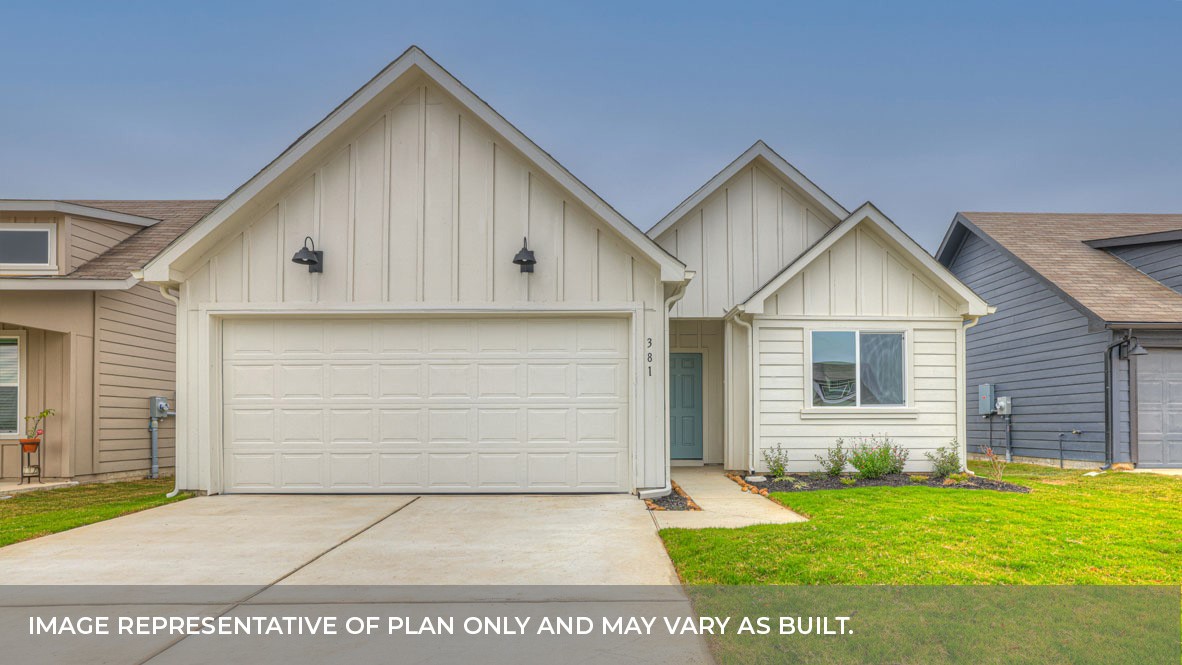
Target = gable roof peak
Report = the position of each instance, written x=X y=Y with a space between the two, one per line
x=204 y=235
x=869 y=213
x=762 y=152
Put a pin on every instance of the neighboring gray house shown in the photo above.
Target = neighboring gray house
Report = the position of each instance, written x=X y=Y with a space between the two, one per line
x=1071 y=289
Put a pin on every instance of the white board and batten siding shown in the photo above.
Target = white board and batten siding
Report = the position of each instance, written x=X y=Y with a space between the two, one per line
x=739 y=237
x=420 y=211
x=861 y=283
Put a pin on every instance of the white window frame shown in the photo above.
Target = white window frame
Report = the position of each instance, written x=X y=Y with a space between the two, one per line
x=34 y=268
x=21 y=383
x=907 y=400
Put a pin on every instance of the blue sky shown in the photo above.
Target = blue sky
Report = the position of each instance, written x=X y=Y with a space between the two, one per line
x=925 y=108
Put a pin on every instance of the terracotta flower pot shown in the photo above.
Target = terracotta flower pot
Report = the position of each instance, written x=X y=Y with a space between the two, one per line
x=30 y=445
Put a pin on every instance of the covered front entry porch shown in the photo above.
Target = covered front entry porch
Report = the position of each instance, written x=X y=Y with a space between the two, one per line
x=707 y=392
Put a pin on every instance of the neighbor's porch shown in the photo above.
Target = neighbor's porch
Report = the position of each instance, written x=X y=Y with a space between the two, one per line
x=42 y=369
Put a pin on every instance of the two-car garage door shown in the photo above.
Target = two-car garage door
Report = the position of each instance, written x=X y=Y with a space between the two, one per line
x=426 y=404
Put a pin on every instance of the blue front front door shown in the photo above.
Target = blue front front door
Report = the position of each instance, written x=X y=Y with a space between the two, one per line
x=685 y=405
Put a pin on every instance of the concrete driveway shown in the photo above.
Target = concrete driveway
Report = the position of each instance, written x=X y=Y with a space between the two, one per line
x=356 y=540
x=315 y=556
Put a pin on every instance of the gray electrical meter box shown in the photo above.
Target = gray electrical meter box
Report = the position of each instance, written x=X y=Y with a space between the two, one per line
x=158 y=407
x=986 y=399
x=1003 y=405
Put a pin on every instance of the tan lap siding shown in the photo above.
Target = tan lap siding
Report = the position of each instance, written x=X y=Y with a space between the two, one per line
x=930 y=421
x=136 y=360
x=86 y=239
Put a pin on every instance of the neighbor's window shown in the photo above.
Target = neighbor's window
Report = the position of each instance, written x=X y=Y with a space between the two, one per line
x=854 y=368
x=10 y=376
x=27 y=246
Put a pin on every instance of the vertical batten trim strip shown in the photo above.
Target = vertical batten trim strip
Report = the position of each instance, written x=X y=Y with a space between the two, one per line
x=457 y=155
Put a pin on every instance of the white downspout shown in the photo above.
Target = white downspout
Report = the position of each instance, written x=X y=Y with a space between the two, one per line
x=962 y=409
x=751 y=399
x=678 y=294
x=176 y=488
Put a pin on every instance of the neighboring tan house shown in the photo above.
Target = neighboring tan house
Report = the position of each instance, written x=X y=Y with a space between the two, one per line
x=806 y=323
x=80 y=335
x=1087 y=340
x=427 y=350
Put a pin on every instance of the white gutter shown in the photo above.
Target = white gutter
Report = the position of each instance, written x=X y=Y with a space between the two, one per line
x=65 y=284
x=969 y=322
x=678 y=294
x=176 y=487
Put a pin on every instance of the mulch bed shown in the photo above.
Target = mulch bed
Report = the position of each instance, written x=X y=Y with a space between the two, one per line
x=675 y=500
x=806 y=482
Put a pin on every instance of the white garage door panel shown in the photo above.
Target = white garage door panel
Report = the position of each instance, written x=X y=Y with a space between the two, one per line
x=414 y=405
x=1159 y=408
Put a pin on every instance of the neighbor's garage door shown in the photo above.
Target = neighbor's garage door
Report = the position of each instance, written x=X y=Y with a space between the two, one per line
x=1159 y=408
x=425 y=405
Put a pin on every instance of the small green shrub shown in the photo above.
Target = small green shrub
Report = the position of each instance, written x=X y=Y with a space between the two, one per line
x=776 y=460
x=956 y=478
x=877 y=456
x=919 y=478
x=835 y=459
x=849 y=482
x=946 y=460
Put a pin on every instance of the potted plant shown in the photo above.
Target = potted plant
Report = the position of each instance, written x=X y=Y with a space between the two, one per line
x=34 y=431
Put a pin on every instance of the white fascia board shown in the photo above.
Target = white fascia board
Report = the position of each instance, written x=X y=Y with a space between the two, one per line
x=867 y=212
x=781 y=166
x=65 y=284
x=32 y=205
x=158 y=270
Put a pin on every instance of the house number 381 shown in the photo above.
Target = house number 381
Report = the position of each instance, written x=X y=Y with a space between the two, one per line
x=648 y=356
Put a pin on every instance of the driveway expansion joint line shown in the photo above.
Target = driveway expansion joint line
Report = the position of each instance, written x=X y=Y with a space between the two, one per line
x=235 y=605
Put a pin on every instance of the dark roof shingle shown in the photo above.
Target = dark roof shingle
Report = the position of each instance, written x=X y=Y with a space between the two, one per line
x=175 y=217
x=1053 y=245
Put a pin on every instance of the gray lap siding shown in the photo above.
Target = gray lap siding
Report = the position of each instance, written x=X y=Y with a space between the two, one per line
x=1038 y=350
x=1161 y=261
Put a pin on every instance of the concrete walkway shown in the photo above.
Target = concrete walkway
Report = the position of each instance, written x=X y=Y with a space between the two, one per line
x=1177 y=473
x=722 y=504
x=10 y=487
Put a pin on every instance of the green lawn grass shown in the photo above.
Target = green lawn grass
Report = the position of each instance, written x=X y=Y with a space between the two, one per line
x=34 y=514
x=1117 y=528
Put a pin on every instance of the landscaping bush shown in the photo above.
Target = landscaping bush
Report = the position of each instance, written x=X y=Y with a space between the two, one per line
x=835 y=459
x=946 y=460
x=776 y=460
x=875 y=457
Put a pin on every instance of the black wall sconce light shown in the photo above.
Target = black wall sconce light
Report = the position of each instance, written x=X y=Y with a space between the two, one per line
x=1132 y=347
x=525 y=258
x=309 y=256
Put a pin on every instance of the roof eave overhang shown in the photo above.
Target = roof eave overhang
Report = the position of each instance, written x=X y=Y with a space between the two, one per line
x=1143 y=325
x=65 y=284
x=65 y=208
x=1137 y=239
x=201 y=237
